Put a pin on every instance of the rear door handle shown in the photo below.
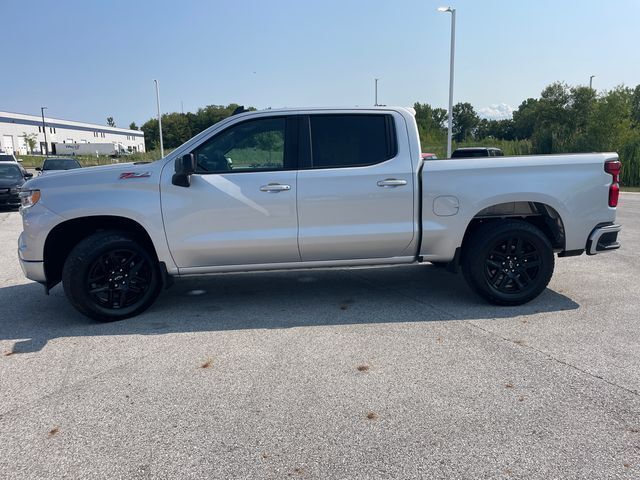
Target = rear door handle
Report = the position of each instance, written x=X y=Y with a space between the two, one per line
x=275 y=188
x=391 y=182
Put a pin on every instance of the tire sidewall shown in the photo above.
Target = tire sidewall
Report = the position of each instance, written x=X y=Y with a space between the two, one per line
x=76 y=284
x=474 y=267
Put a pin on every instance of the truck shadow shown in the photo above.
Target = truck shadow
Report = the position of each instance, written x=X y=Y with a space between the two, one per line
x=269 y=300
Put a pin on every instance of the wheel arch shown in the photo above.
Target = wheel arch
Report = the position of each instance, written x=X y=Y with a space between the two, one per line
x=539 y=214
x=66 y=235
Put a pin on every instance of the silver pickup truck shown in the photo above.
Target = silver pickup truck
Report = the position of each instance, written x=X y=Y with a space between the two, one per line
x=312 y=188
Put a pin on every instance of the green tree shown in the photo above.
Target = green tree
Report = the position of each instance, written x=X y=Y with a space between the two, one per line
x=31 y=140
x=635 y=106
x=439 y=116
x=524 y=119
x=465 y=120
x=111 y=122
x=133 y=126
x=498 y=129
x=151 y=134
x=175 y=129
x=610 y=125
x=179 y=127
x=553 y=128
x=581 y=109
x=430 y=122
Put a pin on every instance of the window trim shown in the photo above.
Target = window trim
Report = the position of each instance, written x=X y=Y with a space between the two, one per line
x=290 y=153
x=305 y=141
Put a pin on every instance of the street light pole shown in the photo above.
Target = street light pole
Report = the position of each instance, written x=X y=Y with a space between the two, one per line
x=376 y=104
x=452 y=11
x=44 y=130
x=591 y=82
x=159 y=118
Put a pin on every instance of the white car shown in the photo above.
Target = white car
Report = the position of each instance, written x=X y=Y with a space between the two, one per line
x=312 y=187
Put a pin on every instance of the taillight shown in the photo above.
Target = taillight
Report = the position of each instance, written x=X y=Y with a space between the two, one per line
x=613 y=167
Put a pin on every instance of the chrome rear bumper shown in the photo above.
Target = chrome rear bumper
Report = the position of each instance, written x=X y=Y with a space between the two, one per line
x=603 y=239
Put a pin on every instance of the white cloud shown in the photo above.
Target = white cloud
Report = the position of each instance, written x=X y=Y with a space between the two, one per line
x=496 y=111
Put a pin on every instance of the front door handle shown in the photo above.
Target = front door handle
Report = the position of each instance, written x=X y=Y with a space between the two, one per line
x=391 y=182
x=275 y=188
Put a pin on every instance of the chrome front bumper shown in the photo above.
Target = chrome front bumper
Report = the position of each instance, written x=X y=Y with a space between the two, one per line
x=33 y=270
x=603 y=239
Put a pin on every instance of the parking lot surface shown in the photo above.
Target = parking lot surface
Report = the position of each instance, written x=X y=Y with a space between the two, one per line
x=396 y=372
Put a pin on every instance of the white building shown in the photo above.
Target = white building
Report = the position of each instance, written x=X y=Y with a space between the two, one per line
x=14 y=127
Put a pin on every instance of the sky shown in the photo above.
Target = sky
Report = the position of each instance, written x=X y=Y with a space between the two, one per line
x=87 y=60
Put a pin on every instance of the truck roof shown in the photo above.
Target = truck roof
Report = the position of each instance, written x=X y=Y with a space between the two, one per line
x=409 y=110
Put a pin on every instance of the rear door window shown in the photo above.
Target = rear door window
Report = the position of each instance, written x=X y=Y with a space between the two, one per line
x=351 y=140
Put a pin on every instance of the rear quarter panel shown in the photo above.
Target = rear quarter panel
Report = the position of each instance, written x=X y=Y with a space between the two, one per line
x=576 y=186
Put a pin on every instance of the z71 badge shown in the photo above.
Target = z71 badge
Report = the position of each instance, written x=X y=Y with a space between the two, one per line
x=127 y=175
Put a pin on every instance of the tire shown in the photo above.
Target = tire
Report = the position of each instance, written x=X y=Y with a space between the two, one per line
x=508 y=262
x=110 y=276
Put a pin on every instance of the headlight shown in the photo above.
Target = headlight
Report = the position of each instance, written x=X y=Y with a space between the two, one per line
x=28 y=198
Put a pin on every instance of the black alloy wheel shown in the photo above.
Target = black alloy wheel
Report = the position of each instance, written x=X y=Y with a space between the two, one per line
x=111 y=275
x=119 y=278
x=507 y=262
x=512 y=265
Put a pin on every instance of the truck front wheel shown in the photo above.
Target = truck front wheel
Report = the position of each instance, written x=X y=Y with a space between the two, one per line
x=508 y=262
x=109 y=276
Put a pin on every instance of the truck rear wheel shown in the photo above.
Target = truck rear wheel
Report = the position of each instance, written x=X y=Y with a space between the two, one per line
x=109 y=276
x=508 y=262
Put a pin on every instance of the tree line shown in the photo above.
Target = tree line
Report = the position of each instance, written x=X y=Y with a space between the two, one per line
x=564 y=119
x=177 y=127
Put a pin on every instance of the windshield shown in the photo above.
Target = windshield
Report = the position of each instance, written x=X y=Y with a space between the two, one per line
x=10 y=172
x=7 y=158
x=60 y=164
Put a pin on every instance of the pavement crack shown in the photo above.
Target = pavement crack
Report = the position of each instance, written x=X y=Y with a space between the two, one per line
x=65 y=386
x=471 y=322
x=555 y=359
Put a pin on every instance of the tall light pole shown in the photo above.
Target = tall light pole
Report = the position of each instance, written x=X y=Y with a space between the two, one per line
x=44 y=129
x=591 y=82
x=159 y=118
x=452 y=11
x=376 y=90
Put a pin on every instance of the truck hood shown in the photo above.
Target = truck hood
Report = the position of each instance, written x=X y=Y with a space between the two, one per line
x=11 y=182
x=101 y=175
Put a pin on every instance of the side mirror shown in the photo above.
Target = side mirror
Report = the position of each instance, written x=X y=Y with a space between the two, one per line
x=28 y=175
x=185 y=166
x=38 y=169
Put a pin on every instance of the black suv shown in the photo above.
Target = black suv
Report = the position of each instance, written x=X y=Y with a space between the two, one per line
x=12 y=176
x=7 y=157
x=471 y=152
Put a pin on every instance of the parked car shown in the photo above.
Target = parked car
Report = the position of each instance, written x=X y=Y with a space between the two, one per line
x=55 y=164
x=12 y=177
x=330 y=188
x=428 y=156
x=470 y=152
x=8 y=157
